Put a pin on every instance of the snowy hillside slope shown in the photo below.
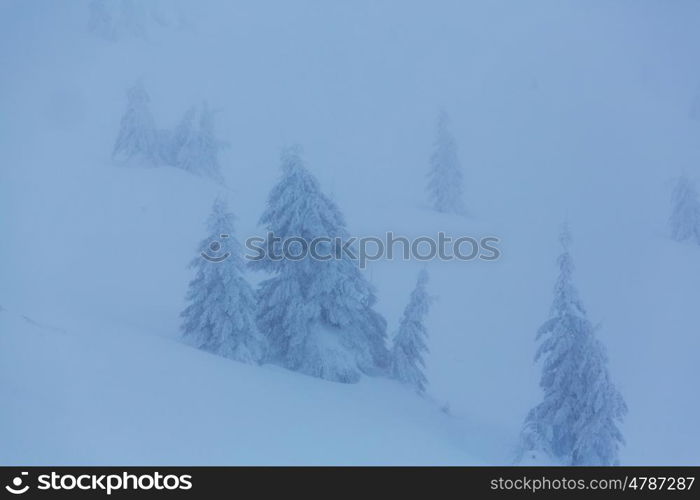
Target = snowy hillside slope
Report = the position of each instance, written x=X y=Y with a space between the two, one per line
x=552 y=123
x=129 y=398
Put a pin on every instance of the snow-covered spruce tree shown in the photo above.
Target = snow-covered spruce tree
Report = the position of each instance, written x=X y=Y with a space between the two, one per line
x=176 y=140
x=220 y=316
x=577 y=421
x=137 y=137
x=445 y=183
x=317 y=315
x=410 y=341
x=195 y=147
x=685 y=216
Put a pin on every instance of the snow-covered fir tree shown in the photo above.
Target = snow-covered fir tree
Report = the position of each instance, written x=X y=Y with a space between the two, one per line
x=195 y=147
x=220 y=316
x=695 y=106
x=132 y=19
x=577 y=421
x=445 y=183
x=138 y=138
x=685 y=216
x=407 y=362
x=317 y=315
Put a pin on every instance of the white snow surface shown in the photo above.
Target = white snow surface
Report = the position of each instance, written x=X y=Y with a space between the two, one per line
x=577 y=111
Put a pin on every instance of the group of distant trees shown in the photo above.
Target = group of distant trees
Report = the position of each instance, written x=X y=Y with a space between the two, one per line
x=191 y=146
x=446 y=192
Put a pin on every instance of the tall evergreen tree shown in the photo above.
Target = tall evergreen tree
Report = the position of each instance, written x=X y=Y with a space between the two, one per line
x=195 y=146
x=177 y=139
x=317 y=315
x=685 y=217
x=220 y=316
x=445 y=183
x=407 y=362
x=137 y=137
x=577 y=421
